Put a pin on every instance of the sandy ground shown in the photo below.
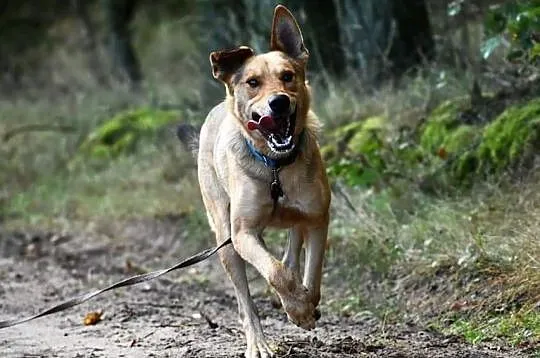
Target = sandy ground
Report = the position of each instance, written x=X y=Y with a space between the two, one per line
x=191 y=313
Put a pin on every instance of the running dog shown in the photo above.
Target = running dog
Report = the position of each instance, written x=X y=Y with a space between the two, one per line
x=259 y=166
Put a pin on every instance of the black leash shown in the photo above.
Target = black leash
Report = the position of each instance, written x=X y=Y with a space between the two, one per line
x=125 y=282
x=276 y=191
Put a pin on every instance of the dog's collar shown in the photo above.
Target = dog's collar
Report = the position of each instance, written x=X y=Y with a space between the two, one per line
x=276 y=163
x=276 y=191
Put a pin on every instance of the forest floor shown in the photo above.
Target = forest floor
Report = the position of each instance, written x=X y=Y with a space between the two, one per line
x=191 y=313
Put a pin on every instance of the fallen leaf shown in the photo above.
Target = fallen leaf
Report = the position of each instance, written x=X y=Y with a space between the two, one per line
x=211 y=324
x=462 y=305
x=442 y=153
x=92 y=318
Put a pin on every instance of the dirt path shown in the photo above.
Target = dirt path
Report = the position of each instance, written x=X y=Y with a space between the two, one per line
x=188 y=314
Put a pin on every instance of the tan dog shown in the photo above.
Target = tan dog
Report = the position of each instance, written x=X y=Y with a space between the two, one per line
x=259 y=165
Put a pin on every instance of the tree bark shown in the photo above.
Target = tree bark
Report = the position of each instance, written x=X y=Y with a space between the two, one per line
x=382 y=39
x=413 y=44
x=247 y=22
x=320 y=28
x=375 y=40
x=119 y=14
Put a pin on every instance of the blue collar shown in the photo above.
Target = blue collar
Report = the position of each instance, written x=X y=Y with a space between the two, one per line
x=275 y=163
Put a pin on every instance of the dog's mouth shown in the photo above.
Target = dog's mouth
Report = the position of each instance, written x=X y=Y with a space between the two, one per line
x=278 y=131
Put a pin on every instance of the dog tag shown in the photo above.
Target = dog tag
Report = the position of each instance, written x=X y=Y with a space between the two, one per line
x=275 y=190
x=275 y=187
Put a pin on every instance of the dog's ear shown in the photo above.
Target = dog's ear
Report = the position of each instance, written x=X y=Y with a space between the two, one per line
x=225 y=63
x=286 y=35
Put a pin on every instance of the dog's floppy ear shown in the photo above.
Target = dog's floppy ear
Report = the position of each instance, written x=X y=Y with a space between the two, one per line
x=286 y=35
x=225 y=63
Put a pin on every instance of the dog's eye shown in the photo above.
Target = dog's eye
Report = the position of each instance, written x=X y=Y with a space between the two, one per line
x=287 y=76
x=253 y=82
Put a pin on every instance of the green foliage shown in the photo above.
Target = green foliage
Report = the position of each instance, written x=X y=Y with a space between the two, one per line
x=360 y=161
x=367 y=153
x=516 y=327
x=475 y=149
x=440 y=128
x=123 y=132
x=517 y=25
x=444 y=137
x=512 y=137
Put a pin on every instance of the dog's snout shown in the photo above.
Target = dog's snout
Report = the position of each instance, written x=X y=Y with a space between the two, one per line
x=279 y=103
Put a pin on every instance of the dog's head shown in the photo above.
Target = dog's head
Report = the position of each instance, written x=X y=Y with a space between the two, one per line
x=268 y=92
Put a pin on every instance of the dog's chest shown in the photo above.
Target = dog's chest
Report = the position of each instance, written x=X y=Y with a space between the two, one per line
x=302 y=201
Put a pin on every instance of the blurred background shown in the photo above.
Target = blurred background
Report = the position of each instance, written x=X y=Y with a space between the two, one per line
x=431 y=113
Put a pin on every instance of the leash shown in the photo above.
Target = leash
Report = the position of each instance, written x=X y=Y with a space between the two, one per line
x=125 y=282
x=276 y=191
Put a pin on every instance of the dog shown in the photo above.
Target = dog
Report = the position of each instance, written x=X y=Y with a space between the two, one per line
x=259 y=165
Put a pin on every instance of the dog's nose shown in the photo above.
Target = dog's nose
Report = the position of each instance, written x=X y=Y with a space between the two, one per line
x=279 y=103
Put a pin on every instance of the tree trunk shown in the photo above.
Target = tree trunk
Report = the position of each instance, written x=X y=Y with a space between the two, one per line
x=320 y=28
x=375 y=39
x=247 y=22
x=383 y=39
x=119 y=14
x=413 y=44
x=224 y=24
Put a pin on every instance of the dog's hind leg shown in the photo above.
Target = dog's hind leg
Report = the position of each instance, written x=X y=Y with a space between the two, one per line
x=291 y=257
x=315 y=248
x=294 y=297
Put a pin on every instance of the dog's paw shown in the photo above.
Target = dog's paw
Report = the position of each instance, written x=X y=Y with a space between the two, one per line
x=299 y=308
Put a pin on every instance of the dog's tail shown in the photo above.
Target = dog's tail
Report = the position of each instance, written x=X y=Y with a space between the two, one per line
x=189 y=136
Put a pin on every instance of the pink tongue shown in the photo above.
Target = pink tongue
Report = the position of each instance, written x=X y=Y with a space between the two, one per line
x=265 y=122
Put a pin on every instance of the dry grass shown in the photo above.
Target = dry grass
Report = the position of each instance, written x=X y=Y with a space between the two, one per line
x=470 y=262
x=493 y=229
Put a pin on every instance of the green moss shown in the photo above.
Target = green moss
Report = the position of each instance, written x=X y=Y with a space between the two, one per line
x=367 y=136
x=510 y=138
x=460 y=138
x=328 y=151
x=444 y=131
x=457 y=152
x=121 y=133
x=347 y=130
x=338 y=139
x=440 y=123
x=354 y=151
x=368 y=141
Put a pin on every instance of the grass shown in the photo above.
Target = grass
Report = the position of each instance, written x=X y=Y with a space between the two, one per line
x=390 y=233
x=516 y=328
x=470 y=262
x=393 y=239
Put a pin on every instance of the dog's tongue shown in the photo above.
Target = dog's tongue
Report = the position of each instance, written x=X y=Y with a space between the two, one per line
x=265 y=122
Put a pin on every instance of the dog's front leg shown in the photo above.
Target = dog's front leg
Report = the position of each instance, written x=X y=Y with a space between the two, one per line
x=257 y=347
x=294 y=297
